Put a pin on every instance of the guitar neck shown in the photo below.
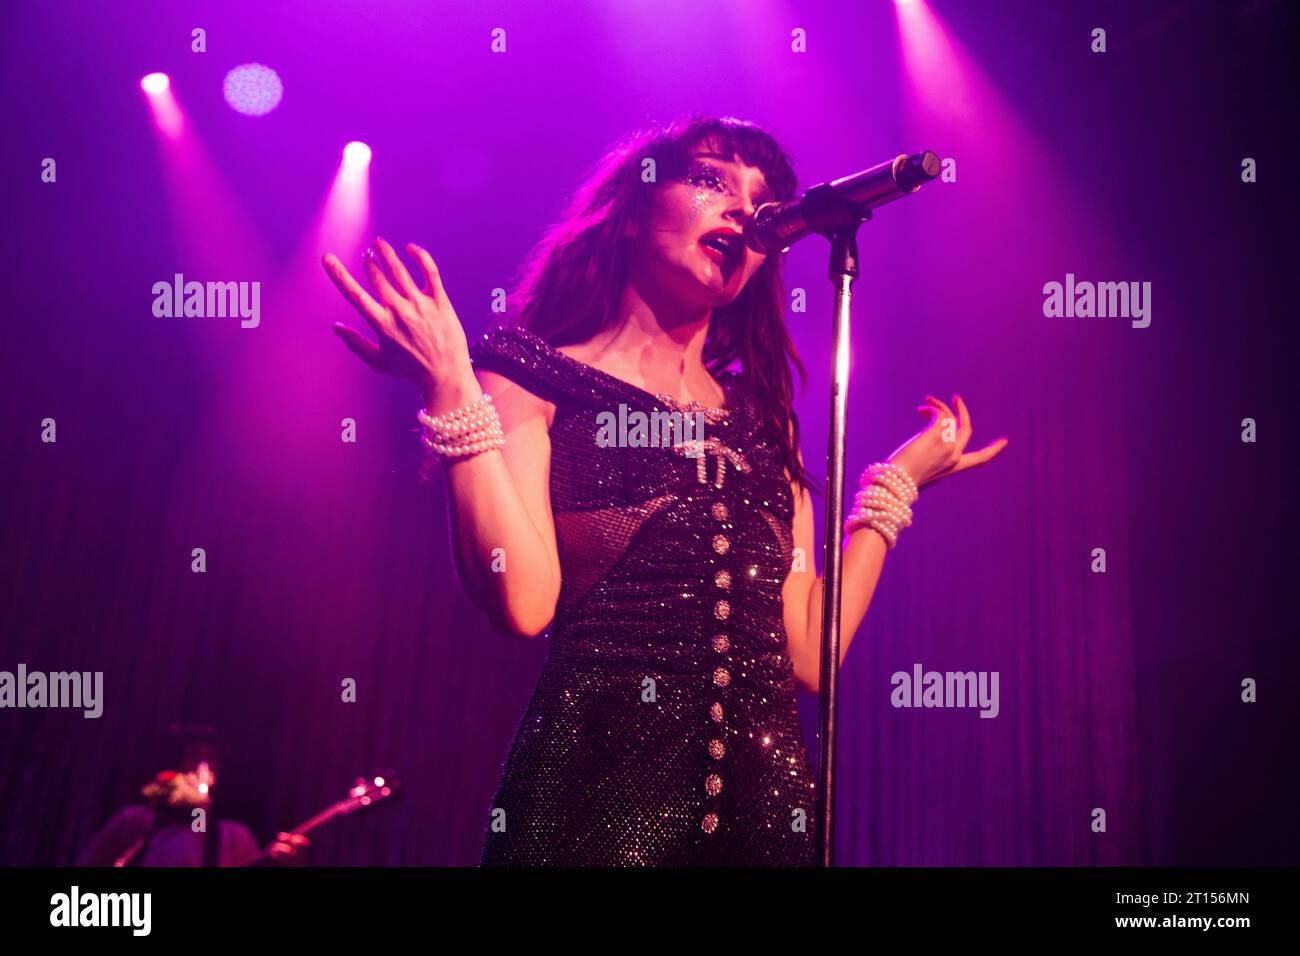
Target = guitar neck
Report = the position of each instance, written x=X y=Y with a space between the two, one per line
x=361 y=796
x=322 y=818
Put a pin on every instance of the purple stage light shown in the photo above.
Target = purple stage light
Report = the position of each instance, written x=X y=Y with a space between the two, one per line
x=356 y=160
x=162 y=104
x=356 y=155
x=253 y=89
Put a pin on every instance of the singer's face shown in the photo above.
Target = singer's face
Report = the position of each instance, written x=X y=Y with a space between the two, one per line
x=715 y=196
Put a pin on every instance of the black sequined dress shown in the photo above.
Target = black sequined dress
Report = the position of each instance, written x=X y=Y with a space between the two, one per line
x=664 y=729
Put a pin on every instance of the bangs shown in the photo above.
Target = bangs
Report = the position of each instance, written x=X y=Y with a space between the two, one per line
x=728 y=137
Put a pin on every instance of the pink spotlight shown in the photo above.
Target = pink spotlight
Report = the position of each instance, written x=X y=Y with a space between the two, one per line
x=356 y=155
x=162 y=103
x=356 y=162
x=155 y=83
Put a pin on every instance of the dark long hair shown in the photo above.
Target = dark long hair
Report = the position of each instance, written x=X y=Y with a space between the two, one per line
x=570 y=284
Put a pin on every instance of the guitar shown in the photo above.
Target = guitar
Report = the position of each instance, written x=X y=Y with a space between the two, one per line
x=363 y=794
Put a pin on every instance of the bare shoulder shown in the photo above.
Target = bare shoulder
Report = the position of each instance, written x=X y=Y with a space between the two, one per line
x=515 y=404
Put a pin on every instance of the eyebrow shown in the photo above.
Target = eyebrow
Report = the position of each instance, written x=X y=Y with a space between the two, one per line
x=764 y=193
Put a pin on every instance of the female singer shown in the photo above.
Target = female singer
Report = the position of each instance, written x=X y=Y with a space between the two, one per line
x=673 y=576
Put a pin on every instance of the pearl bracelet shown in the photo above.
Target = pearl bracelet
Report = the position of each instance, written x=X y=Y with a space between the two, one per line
x=470 y=430
x=879 y=500
x=894 y=478
x=883 y=502
x=479 y=412
x=876 y=522
x=472 y=445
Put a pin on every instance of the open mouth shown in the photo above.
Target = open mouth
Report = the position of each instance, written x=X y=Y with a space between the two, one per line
x=724 y=246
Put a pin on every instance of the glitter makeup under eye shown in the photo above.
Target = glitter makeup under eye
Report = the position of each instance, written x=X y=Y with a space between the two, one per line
x=699 y=203
x=709 y=188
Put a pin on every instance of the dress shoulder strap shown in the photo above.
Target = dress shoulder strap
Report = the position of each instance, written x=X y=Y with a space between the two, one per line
x=526 y=358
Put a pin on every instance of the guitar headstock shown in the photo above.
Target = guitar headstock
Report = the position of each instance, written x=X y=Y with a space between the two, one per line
x=367 y=791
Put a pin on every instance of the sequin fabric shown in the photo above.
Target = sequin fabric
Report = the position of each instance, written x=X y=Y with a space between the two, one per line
x=663 y=730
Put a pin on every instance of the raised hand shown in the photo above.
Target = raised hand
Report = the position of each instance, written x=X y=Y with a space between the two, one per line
x=420 y=335
x=939 y=450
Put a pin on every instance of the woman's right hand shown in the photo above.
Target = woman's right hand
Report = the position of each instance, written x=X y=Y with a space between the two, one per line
x=420 y=336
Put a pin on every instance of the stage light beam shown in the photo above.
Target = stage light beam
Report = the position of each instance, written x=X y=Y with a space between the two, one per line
x=162 y=103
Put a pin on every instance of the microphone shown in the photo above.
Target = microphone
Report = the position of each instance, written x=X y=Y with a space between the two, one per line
x=775 y=226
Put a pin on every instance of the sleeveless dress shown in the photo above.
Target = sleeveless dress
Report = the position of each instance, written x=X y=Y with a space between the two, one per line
x=664 y=729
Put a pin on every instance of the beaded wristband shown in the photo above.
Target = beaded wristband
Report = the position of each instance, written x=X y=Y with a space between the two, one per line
x=883 y=502
x=876 y=522
x=470 y=430
x=878 y=499
x=459 y=420
x=894 y=478
x=878 y=492
x=888 y=526
x=472 y=444
x=463 y=436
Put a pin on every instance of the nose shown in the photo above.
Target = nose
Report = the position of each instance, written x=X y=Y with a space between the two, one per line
x=739 y=210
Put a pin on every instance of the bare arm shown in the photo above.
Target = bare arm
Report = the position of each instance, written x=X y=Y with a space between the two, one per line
x=864 y=559
x=933 y=453
x=503 y=532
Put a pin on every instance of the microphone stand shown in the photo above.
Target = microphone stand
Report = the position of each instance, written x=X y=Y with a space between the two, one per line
x=843 y=271
x=827 y=211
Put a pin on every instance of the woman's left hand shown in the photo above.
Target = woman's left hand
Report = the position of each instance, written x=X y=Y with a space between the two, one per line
x=939 y=450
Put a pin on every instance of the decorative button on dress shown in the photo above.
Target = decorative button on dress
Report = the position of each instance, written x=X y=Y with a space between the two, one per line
x=664 y=729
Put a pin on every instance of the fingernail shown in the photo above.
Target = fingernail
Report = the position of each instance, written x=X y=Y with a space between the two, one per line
x=368 y=254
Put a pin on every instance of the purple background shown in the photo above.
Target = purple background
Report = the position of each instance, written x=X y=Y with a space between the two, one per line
x=329 y=560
